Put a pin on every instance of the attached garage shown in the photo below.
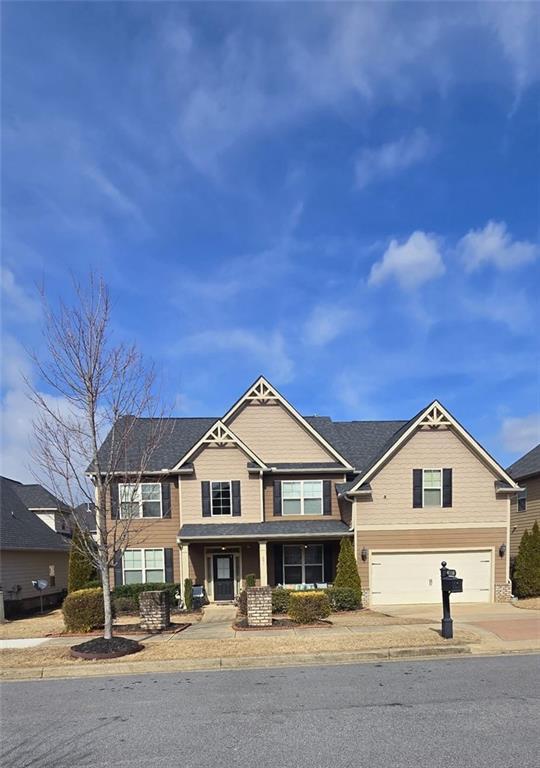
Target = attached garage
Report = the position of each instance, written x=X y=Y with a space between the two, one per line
x=399 y=578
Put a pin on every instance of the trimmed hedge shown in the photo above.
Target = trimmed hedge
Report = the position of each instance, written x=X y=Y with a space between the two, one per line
x=125 y=605
x=133 y=591
x=526 y=575
x=347 y=575
x=309 y=607
x=94 y=584
x=343 y=598
x=280 y=599
x=83 y=610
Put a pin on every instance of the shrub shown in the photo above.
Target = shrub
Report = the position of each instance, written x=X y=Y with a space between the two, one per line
x=250 y=580
x=242 y=602
x=125 y=605
x=133 y=591
x=527 y=567
x=280 y=600
x=83 y=610
x=308 y=607
x=188 y=594
x=80 y=570
x=343 y=598
x=94 y=584
x=347 y=575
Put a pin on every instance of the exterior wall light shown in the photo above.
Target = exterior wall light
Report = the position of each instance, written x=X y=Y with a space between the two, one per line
x=364 y=554
x=502 y=550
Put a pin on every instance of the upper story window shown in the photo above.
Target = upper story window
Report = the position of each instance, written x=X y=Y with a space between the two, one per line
x=302 y=497
x=221 y=497
x=432 y=487
x=140 y=500
x=522 y=501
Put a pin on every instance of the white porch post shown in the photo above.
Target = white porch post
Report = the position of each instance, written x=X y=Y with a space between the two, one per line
x=184 y=563
x=263 y=567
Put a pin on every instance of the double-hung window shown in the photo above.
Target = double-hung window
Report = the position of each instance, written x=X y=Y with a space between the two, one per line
x=143 y=566
x=303 y=564
x=221 y=497
x=140 y=500
x=432 y=487
x=302 y=497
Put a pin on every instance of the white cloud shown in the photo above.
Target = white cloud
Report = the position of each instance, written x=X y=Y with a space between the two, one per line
x=520 y=434
x=325 y=324
x=516 y=315
x=15 y=300
x=411 y=264
x=377 y=163
x=494 y=245
x=267 y=349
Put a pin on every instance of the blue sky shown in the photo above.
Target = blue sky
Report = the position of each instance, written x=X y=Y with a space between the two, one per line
x=342 y=197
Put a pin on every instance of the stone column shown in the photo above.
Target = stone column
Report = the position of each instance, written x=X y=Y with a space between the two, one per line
x=184 y=563
x=259 y=606
x=263 y=565
x=155 y=610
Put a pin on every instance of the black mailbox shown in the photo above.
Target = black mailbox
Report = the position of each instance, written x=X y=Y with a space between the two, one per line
x=451 y=584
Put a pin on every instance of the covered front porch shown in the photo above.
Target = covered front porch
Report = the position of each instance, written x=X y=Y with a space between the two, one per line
x=281 y=554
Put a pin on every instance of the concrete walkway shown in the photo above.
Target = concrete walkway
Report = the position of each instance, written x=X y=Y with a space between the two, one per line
x=29 y=642
x=215 y=624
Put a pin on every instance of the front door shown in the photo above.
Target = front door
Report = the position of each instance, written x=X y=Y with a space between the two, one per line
x=223 y=577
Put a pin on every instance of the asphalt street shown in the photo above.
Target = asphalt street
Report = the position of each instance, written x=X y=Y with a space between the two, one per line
x=460 y=712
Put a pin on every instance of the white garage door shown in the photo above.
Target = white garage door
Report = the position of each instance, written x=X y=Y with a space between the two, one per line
x=414 y=577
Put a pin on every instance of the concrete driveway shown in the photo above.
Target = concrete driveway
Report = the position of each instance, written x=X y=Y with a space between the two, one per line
x=501 y=621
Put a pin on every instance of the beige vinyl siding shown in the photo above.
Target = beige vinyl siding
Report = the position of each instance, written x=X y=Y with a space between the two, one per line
x=426 y=539
x=158 y=532
x=474 y=499
x=522 y=521
x=275 y=435
x=269 y=496
x=23 y=566
x=221 y=463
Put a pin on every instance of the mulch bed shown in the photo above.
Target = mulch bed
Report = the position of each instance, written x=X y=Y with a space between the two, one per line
x=242 y=625
x=100 y=648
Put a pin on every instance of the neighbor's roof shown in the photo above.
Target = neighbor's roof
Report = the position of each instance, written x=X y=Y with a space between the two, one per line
x=20 y=528
x=35 y=496
x=357 y=441
x=527 y=465
x=85 y=516
x=271 y=530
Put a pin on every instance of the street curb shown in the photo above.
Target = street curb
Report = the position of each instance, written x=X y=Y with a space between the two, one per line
x=231 y=663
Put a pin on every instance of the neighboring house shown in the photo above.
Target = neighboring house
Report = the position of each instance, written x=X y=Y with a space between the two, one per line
x=525 y=508
x=29 y=550
x=50 y=510
x=85 y=518
x=265 y=490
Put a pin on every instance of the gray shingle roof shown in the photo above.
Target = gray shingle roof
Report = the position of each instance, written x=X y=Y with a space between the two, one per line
x=85 y=515
x=527 y=465
x=20 y=528
x=281 y=528
x=35 y=496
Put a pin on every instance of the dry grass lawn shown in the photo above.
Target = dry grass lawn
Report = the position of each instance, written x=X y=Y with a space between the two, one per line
x=254 y=646
x=368 y=618
x=529 y=603
x=53 y=623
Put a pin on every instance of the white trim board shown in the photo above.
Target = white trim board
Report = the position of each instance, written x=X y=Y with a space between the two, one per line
x=219 y=434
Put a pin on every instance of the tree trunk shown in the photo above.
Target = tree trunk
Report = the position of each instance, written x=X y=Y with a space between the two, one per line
x=108 y=626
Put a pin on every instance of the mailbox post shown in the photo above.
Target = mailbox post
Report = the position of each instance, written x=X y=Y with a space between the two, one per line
x=449 y=584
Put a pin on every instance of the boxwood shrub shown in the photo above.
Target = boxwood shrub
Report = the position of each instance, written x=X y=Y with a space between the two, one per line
x=343 y=598
x=280 y=600
x=125 y=605
x=133 y=591
x=308 y=607
x=83 y=610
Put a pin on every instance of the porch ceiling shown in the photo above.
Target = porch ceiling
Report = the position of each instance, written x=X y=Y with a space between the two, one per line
x=282 y=529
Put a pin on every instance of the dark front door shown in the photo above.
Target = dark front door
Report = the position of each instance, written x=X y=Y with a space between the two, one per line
x=223 y=577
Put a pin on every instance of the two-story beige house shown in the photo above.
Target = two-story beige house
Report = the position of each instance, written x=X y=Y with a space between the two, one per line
x=525 y=509
x=265 y=490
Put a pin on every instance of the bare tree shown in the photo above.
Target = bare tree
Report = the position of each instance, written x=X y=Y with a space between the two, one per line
x=84 y=435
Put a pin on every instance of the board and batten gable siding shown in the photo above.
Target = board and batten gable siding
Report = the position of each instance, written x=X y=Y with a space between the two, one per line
x=473 y=486
x=157 y=532
x=523 y=521
x=275 y=435
x=220 y=463
x=22 y=566
x=269 y=496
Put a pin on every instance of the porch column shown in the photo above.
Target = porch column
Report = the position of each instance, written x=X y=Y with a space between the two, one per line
x=263 y=567
x=184 y=563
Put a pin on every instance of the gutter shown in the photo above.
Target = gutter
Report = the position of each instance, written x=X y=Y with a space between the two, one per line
x=260 y=536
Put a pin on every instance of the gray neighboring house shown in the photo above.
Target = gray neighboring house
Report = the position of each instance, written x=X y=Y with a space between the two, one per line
x=525 y=509
x=50 y=509
x=29 y=550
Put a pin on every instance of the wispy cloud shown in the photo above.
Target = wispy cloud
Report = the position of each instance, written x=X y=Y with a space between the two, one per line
x=378 y=163
x=521 y=433
x=494 y=245
x=411 y=263
x=326 y=323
